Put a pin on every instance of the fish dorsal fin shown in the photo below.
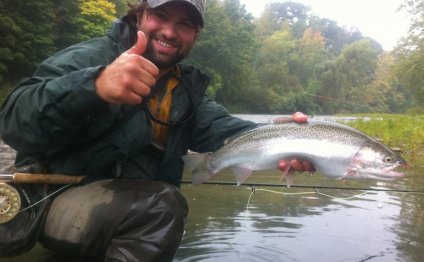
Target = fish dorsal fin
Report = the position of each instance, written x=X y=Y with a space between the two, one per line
x=283 y=120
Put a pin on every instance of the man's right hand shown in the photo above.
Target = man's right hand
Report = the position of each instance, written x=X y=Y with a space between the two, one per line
x=129 y=78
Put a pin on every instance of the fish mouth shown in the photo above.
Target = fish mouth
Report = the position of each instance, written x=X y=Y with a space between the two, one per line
x=388 y=173
x=394 y=175
x=378 y=172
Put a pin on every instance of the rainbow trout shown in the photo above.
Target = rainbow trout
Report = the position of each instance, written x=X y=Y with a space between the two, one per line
x=335 y=150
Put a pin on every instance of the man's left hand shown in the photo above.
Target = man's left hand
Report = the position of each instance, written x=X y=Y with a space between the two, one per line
x=297 y=165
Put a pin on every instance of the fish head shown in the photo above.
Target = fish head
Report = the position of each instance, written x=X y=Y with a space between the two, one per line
x=375 y=163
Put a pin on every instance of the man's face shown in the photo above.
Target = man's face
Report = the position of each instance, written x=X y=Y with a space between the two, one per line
x=170 y=33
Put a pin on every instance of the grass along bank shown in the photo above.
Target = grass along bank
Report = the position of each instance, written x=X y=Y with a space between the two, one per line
x=400 y=132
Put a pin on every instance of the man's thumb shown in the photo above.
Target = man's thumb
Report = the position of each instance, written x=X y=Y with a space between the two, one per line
x=140 y=45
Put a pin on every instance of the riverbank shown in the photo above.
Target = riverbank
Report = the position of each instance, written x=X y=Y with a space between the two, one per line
x=402 y=132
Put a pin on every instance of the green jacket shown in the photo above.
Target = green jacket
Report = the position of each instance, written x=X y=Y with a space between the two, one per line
x=55 y=117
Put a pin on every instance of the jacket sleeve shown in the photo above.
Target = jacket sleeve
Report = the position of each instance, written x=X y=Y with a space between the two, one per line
x=47 y=111
x=213 y=125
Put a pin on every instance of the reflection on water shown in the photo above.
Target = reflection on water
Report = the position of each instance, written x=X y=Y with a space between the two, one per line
x=372 y=226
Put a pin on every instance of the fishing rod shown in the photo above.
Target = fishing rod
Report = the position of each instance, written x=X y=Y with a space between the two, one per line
x=224 y=183
x=10 y=200
x=60 y=179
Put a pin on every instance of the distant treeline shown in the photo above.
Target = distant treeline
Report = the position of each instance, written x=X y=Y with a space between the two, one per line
x=284 y=61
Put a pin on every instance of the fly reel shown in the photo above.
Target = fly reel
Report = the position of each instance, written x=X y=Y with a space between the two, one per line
x=10 y=202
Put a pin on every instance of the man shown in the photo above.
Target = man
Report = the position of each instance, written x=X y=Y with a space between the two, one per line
x=122 y=111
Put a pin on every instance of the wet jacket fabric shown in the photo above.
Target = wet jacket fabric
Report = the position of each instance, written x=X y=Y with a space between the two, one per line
x=56 y=118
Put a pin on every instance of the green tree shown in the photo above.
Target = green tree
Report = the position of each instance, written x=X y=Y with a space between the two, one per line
x=67 y=28
x=263 y=25
x=25 y=37
x=344 y=80
x=336 y=36
x=273 y=61
x=225 y=51
x=410 y=54
x=386 y=94
x=308 y=55
x=96 y=16
x=288 y=12
x=274 y=67
x=121 y=6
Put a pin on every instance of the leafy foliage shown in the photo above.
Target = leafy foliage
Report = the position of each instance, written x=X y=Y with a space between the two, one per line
x=286 y=60
x=225 y=50
x=24 y=43
x=96 y=15
x=121 y=6
x=410 y=54
x=66 y=27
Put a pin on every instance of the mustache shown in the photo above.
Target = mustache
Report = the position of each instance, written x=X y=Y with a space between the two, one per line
x=164 y=38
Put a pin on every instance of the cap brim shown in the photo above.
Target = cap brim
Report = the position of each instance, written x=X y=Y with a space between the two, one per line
x=198 y=15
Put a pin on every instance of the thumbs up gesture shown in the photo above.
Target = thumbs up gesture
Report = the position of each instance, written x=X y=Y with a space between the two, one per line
x=129 y=78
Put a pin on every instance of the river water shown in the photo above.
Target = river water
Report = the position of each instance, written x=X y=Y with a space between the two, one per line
x=276 y=223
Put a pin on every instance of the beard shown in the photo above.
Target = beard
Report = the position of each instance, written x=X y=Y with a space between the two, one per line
x=160 y=60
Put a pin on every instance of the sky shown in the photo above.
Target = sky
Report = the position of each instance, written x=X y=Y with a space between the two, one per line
x=377 y=19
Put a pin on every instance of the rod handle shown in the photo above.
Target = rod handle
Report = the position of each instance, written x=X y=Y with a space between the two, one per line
x=46 y=178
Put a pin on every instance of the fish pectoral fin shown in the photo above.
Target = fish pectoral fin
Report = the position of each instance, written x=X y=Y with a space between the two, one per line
x=288 y=172
x=241 y=174
x=288 y=175
x=350 y=172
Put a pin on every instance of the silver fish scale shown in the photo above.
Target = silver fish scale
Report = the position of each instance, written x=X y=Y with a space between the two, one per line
x=333 y=149
x=312 y=130
x=315 y=130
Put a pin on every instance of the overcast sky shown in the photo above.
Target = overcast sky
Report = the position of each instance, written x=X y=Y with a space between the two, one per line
x=377 y=19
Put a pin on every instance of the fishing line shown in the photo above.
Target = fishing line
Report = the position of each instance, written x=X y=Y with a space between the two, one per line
x=246 y=217
x=254 y=190
x=316 y=192
x=223 y=183
x=45 y=198
x=255 y=185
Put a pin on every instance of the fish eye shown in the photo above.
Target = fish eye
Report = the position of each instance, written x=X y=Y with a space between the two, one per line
x=388 y=159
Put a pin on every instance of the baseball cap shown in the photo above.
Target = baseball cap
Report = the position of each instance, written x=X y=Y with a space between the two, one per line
x=199 y=7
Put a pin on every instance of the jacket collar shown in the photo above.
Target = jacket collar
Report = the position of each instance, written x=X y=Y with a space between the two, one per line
x=124 y=32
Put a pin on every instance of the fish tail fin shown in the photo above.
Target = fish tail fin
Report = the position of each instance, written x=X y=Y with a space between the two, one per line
x=199 y=171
